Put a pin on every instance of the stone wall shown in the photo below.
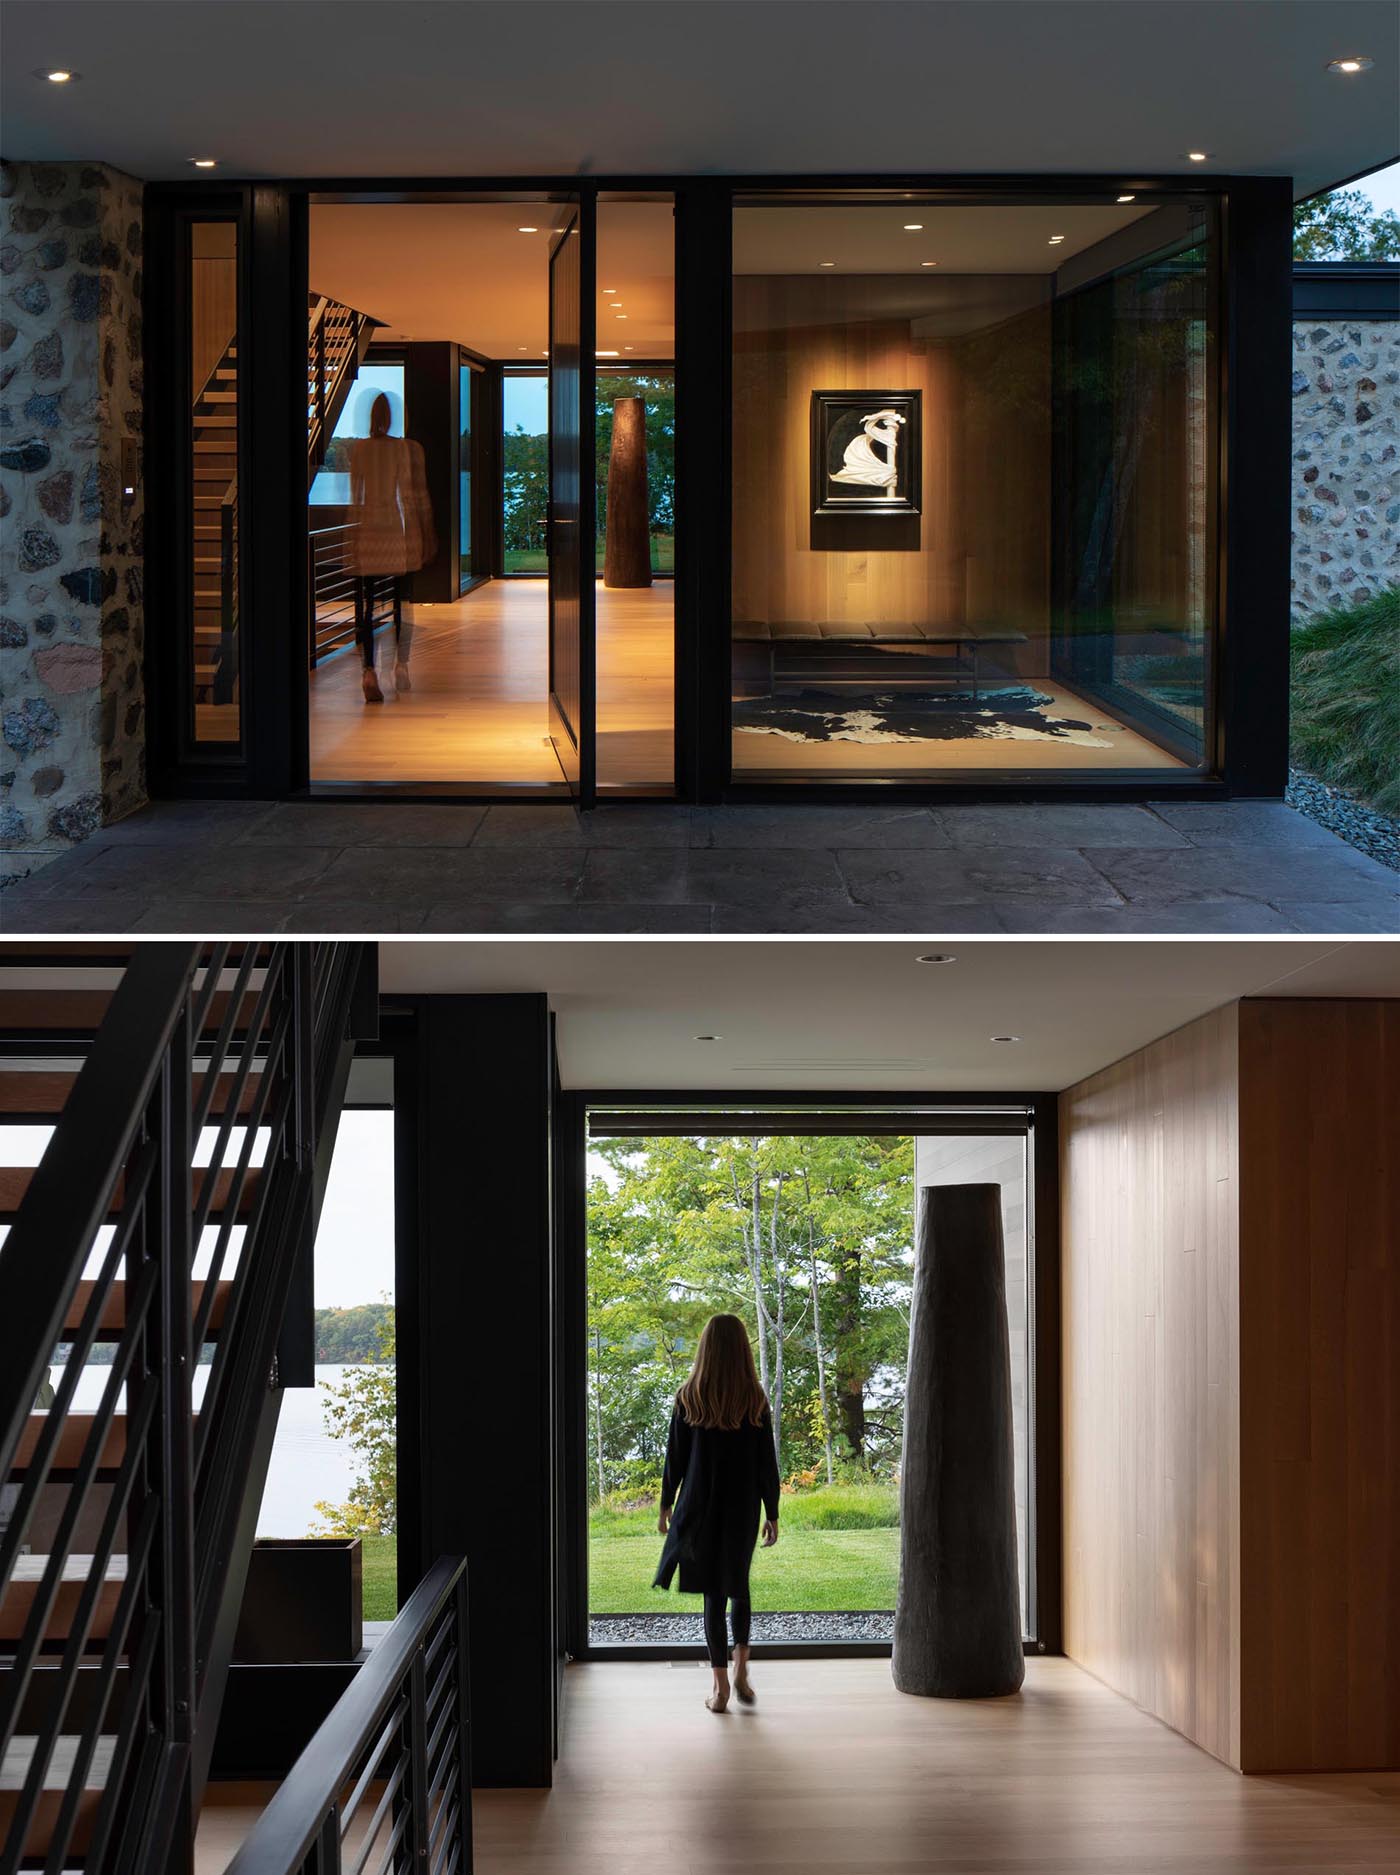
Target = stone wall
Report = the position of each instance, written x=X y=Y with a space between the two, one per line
x=1346 y=461
x=71 y=625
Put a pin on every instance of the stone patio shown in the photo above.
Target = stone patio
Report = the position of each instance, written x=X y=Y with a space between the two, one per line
x=251 y=867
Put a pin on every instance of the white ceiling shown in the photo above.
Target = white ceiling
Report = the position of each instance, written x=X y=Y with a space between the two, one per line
x=464 y=271
x=866 y=239
x=863 y=1015
x=559 y=87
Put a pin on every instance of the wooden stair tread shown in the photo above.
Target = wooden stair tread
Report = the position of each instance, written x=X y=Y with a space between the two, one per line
x=114 y=1307
x=72 y=1439
x=14 y=1766
x=15 y=1181
x=29 y=1569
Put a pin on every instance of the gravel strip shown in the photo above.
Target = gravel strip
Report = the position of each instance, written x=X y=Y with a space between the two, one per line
x=1363 y=827
x=611 y=1630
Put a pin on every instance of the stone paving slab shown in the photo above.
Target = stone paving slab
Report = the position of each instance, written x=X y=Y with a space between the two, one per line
x=1229 y=867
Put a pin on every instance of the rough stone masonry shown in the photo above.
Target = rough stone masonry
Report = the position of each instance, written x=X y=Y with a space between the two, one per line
x=1346 y=461
x=72 y=724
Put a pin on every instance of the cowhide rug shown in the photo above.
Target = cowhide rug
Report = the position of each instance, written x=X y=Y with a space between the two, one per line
x=1012 y=715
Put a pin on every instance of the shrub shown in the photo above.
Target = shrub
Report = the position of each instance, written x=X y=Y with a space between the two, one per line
x=1345 y=699
x=842 y=1507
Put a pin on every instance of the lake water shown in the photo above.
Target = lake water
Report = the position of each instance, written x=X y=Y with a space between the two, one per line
x=307 y=1465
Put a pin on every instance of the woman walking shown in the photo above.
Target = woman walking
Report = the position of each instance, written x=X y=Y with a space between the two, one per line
x=721 y=1468
x=392 y=537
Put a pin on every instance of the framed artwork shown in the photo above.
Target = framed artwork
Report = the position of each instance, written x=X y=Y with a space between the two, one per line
x=867 y=448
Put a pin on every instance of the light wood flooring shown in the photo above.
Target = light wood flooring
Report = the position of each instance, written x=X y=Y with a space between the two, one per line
x=834 y=1771
x=479 y=707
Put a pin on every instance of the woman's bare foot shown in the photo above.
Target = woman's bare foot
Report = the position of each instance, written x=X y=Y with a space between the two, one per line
x=719 y=1698
x=742 y=1685
x=369 y=683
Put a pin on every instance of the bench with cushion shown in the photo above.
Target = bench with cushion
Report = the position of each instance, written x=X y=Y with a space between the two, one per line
x=828 y=653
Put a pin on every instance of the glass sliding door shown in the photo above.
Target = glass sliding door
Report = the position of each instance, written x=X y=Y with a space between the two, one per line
x=973 y=487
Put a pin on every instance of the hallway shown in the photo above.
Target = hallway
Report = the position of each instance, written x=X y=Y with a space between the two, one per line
x=479 y=708
x=834 y=1773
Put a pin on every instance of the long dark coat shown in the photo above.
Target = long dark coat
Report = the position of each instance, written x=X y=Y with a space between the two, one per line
x=717 y=1482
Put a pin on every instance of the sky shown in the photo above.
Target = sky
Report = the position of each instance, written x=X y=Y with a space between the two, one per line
x=1383 y=187
x=355 y=1241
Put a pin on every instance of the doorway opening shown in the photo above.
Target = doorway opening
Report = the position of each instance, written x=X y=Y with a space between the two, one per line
x=803 y=1225
x=439 y=539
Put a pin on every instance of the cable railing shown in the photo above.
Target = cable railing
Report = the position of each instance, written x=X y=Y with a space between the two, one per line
x=164 y=1217
x=384 y=1787
x=332 y=588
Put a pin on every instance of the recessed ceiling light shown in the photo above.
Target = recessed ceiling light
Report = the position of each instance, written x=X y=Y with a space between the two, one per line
x=609 y=289
x=1056 y=239
x=204 y=162
x=928 y=263
x=1198 y=156
x=936 y=957
x=912 y=227
x=1353 y=62
x=621 y=315
x=1004 y=1038
x=605 y=354
x=1127 y=198
x=629 y=348
x=527 y=231
x=58 y=75
x=709 y=1038
x=522 y=348
x=826 y=263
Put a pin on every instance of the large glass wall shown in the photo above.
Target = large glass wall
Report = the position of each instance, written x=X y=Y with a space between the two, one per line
x=810 y=1239
x=973 y=488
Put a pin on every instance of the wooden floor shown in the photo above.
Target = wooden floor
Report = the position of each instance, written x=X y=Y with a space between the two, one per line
x=479 y=707
x=478 y=711
x=835 y=1771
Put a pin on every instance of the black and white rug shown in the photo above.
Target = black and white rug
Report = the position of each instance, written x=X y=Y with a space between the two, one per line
x=1019 y=714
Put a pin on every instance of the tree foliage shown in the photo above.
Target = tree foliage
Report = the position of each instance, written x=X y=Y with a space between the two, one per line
x=809 y=1241
x=354 y=1334
x=360 y=1408
x=1345 y=226
x=525 y=461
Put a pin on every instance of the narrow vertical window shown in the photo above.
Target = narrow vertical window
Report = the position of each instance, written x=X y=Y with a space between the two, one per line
x=213 y=482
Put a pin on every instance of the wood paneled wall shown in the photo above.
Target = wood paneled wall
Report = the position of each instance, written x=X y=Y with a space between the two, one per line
x=1320 y=1384
x=983 y=537
x=213 y=295
x=1150 y=1371
x=1230 y=1259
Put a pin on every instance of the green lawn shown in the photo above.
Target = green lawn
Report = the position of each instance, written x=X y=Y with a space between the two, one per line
x=378 y=1556
x=525 y=560
x=837 y=1548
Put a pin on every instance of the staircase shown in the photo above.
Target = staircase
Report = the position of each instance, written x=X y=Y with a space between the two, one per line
x=215 y=483
x=193 y=1092
x=337 y=339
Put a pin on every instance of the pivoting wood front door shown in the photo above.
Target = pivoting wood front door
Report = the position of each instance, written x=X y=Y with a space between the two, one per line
x=572 y=656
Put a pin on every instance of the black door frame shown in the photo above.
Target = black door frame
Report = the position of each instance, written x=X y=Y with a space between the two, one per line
x=1251 y=557
x=570 y=1142
x=571 y=484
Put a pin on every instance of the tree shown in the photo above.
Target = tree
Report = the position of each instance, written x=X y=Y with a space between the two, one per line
x=361 y=1408
x=807 y=1240
x=1345 y=225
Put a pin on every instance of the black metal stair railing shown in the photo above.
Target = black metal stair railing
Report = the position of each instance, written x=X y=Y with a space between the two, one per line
x=187 y=1145
x=384 y=1787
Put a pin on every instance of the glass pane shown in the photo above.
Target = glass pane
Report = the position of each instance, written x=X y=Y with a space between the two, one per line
x=213 y=471
x=333 y=1469
x=972 y=489
x=525 y=470
x=635 y=452
x=464 y=474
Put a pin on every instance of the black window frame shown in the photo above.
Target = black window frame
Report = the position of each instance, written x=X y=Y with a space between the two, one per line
x=1036 y=1115
x=1251 y=560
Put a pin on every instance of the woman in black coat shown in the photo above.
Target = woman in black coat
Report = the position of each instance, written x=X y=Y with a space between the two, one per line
x=721 y=1468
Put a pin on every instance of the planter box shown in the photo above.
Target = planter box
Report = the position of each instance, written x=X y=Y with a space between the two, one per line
x=302 y=1601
